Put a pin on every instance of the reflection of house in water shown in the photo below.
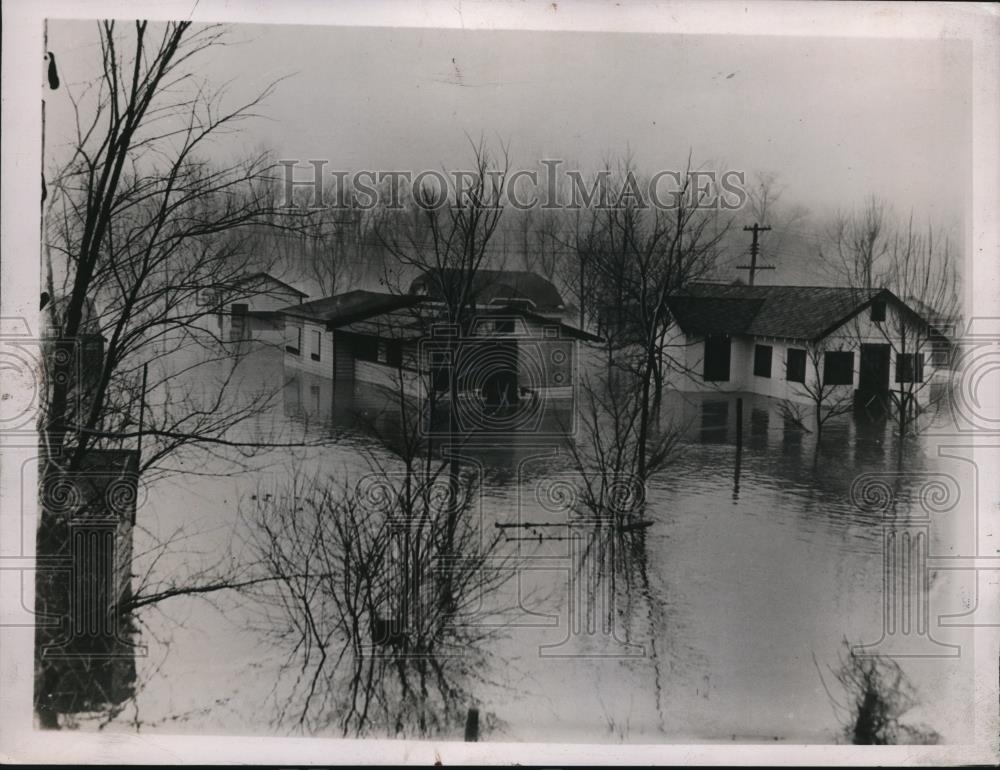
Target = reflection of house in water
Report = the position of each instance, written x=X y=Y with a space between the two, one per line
x=762 y=339
x=360 y=347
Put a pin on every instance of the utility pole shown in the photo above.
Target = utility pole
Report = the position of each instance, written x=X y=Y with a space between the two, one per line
x=753 y=267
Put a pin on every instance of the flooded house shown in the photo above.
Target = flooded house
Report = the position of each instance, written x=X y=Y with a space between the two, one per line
x=789 y=342
x=249 y=309
x=361 y=344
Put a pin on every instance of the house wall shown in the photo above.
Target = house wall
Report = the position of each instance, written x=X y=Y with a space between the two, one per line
x=273 y=297
x=546 y=359
x=303 y=360
x=858 y=331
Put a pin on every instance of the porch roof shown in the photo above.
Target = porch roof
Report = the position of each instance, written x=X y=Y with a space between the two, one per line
x=350 y=306
x=413 y=322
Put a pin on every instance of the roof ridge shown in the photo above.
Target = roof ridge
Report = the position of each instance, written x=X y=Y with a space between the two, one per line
x=781 y=286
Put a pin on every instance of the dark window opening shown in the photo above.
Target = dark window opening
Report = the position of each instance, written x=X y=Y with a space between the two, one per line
x=910 y=367
x=762 y=360
x=878 y=311
x=297 y=346
x=317 y=342
x=394 y=354
x=795 y=365
x=838 y=368
x=717 y=354
x=366 y=349
x=505 y=326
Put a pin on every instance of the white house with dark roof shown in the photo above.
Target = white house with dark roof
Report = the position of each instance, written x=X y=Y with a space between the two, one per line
x=365 y=339
x=784 y=341
x=249 y=308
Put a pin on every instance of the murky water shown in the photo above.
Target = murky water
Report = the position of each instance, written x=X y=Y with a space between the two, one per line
x=724 y=616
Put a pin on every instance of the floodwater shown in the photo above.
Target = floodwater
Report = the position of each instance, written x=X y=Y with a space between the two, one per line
x=719 y=622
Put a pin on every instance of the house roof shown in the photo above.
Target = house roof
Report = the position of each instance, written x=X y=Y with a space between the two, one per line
x=265 y=277
x=410 y=323
x=492 y=286
x=350 y=306
x=790 y=312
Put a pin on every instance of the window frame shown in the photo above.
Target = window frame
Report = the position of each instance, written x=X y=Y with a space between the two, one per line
x=318 y=339
x=710 y=343
x=296 y=349
x=909 y=364
x=788 y=367
x=847 y=356
x=760 y=353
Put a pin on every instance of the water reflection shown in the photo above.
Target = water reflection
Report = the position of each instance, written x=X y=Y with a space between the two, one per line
x=376 y=589
x=753 y=559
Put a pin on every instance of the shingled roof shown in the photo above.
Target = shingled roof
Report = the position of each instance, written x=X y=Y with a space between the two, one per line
x=789 y=312
x=492 y=286
x=350 y=306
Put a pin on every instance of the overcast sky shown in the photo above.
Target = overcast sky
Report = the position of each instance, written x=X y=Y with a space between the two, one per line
x=836 y=119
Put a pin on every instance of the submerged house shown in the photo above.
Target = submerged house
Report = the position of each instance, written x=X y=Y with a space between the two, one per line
x=788 y=341
x=520 y=289
x=250 y=307
x=516 y=347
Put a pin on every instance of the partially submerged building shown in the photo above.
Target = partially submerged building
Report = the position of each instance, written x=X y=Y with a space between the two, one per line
x=515 y=347
x=788 y=342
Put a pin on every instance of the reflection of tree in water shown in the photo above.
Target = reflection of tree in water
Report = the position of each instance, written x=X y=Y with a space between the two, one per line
x=613 y=570
x=384 y=636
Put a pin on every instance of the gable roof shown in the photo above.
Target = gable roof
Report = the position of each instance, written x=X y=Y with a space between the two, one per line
x=263 y=278
x=493 y=286
x=789 y=312
x=349 y=306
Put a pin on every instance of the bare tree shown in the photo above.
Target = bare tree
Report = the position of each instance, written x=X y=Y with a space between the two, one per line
x=828 y=400
x=923 y=276
x=873 y=251
x=375 y=588
x=860 y=245
x=447 y=242
x=139 y=229
x=644 y=255
x=877 y=694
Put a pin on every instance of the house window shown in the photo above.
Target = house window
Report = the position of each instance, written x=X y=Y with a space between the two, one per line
x=395 y=353
x=762 y=360
x=795 y=365
x=366 y=348
x=878 y=311
x=717 y=354
x=910 y=367
x=317 y=341
x=296 y=346
x=940 y=354
x=838 y=368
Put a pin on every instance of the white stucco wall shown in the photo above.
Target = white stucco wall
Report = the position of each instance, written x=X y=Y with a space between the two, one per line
x=850 y=337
